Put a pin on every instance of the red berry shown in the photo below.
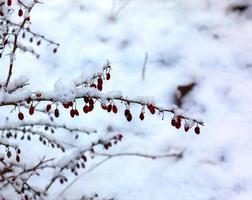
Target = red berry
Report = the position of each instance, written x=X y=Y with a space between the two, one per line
x=197 y=130
x=91 y=107
x=85 y=109
x=127 y=112
x=66 y=105
x=9 y=2
x=55 y=50
x=106 y=146
x=186 y=127
x=21 y=116
x=109 y=108
x=72 y=113
x=100 y=82
x=108 y=76
x=61 y=181
x=17 y=158
x=114 y=109
x=31 y=110
x=141 y=116
x=48 y=108
x=104 y=106
x=93 y=85
x=99 y=87
x=56 y=112
x=38 y=43
x=8 y=154
x=86 y=99
x=1 y=13
x=173 y=122
x=28 y=100
x=91 y=101
x=178 y=124
x=151 y=108
x=129 y=117
x=76 y=112
x=38 y=94
x=20 y=12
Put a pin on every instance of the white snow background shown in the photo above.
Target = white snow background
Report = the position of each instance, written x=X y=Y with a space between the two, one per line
x=186 y=40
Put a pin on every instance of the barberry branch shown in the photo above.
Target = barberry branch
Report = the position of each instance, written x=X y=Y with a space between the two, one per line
x=15 y=46
x=178 y=155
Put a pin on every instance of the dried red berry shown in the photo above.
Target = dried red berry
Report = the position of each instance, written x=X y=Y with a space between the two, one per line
x=126 y=112
x=56 y=112
x=20 y=12
x=85 y=109
x=108 y=76
x=86 y=99
x=17 y=158
x=109 y=108
x=84 y=158
x=100 y=81
x=38 y=43
x=55 y=50
x=66 y=105
x=173 y=122
x=91 y=101
x=76 y=112
x=104 y=106
x=21 y=116
x=107 y=145
x=8 y=154
x=28 y=100
x=178 y=124
x=72 y=113
x=38 y=94
x=48 y=107
x=151 y=108
x=141 y=116
x=186 y=127
x=31 y=110
x=9 y=2
x=93 y=85
x=197 y=130
x=129 y=117
x=91 y=107
x=99 y=87
x=61 y=181
x=114 y=109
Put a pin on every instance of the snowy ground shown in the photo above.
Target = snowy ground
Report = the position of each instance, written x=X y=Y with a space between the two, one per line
x=186 y=41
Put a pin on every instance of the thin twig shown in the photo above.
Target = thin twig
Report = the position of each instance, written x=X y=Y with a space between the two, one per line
x=110 y=156
x=144 y=65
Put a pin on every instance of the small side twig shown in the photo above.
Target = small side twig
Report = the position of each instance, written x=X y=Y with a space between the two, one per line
x=144 y=66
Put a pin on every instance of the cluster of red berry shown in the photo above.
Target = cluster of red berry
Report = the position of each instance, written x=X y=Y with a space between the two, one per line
x=80 y=160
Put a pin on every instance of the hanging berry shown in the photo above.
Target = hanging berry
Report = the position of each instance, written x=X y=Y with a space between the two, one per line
x=197 y=130
x=151 y=108
x=56 y=112
x=48 y=107
x=20 y=12
x=21 y=116
x=114 y=109
x=9 y=2
x=31 y=110
x=141 y=116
